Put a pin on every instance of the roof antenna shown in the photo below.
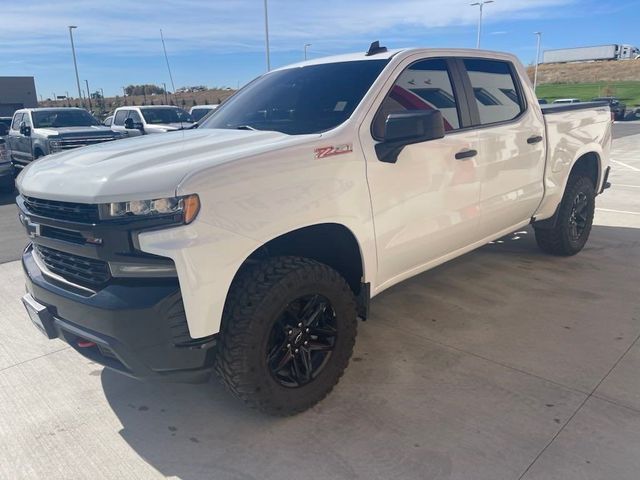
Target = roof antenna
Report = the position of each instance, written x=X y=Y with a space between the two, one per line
x=375 y=48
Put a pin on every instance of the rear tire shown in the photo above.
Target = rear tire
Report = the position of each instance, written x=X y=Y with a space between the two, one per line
x=574 y=220
x=288 y=332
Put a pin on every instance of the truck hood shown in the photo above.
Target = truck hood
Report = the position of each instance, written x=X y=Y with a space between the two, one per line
x=74 y=131
x=143 y=167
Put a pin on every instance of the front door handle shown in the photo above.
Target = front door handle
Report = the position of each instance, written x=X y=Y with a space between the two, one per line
x=534 y=139
x=464 y=154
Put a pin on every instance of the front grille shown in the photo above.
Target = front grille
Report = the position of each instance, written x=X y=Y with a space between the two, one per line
x=70 y=143
x=73 y=212
x=81 y=270
x=62 y=234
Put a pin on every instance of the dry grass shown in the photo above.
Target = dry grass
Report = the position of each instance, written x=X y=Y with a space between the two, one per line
x=588 y=72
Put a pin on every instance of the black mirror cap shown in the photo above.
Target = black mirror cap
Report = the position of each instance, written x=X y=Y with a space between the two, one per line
x=406 y=128
x=128 y=124
x=414 y=126
x=25 y=129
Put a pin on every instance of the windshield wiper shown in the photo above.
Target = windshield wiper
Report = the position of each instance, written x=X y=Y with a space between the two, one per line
x=245 y=127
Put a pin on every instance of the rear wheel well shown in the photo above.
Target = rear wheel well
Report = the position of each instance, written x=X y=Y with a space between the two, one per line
x=329 y=243
x=588 y=165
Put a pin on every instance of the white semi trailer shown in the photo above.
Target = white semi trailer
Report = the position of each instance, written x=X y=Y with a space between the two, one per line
x=585 y=54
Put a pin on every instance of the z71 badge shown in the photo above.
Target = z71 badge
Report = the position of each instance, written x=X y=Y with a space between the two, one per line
x=324 y=152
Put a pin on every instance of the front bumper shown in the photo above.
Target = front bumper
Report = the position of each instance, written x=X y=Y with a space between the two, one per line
x=138 y=326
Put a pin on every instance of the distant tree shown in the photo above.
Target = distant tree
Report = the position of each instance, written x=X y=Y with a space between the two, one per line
x=194 y=102
x=143 y=89
x=206 y=101
x=184 y=102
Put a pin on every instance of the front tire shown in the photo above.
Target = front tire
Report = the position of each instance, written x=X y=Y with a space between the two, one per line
x=288 y=332
x=574 y=220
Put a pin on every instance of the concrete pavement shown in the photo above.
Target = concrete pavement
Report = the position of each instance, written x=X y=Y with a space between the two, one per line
x=503 y=364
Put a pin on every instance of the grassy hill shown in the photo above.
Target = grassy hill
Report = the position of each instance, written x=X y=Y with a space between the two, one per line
x=628 y=92
x=590 y=79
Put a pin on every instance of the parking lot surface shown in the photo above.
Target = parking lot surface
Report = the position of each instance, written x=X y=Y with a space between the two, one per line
x=503 y=364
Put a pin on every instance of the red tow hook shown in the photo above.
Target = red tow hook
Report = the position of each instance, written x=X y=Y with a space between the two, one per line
x=85 y=344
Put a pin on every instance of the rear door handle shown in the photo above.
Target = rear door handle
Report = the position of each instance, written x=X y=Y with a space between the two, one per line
x=464 y=154
x=534 y=139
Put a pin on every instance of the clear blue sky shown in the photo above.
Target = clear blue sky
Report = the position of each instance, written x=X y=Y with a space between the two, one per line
x=221 y=42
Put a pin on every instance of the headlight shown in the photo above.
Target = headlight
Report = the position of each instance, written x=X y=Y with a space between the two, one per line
x=54 y=145
x=187 y=206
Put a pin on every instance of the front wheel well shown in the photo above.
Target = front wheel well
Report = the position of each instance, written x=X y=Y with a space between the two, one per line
x=329 y=243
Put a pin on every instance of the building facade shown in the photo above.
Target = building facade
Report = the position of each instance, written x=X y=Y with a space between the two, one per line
x=16 y=93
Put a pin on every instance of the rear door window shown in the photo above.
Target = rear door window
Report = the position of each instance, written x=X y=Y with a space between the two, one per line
x=424 y=85
x=496 y=91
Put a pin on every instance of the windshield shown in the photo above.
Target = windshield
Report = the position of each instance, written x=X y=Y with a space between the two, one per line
x=63 y=118
x=301 y=100
x=156 y=116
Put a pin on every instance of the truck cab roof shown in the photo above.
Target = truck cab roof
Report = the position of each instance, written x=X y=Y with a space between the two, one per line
x=389 y=54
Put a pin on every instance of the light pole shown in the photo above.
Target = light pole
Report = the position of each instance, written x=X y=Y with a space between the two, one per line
x=535 y=75
x=306 y=45
x=266 y=35
x=480 y=4
x=75 y=62
x=88 y=94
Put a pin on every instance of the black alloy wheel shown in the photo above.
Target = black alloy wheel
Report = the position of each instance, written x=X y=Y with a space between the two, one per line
x=302 y=340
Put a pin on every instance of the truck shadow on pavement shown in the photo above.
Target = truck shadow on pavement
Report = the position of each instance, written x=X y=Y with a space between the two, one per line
x=402 y=357
x=7 y=198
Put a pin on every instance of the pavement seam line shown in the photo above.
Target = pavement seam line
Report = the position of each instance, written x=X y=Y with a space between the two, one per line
x=32 y=359
x=495 y=362
x=579 y=407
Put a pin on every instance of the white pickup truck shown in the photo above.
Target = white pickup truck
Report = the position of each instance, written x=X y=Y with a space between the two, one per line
x=251 y=244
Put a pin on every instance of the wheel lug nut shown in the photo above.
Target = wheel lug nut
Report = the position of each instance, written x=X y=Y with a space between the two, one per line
x=306 y=343
x=300 y=324
x=288 y=345
x=297 y=350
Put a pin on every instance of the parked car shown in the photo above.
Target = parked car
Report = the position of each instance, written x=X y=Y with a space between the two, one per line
x=543 y=101
x=198 y=112
x=36 y=132
x=567 y=100
x=108 y=121
x=135 y=121
x=6 y=169
x=618 y=108
x=5 y=124
x=251 y=244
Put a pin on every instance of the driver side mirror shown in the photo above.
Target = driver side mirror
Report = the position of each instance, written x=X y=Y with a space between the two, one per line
x=25 y=129
x=129 y=124
x=406 y=128
x=4 y=130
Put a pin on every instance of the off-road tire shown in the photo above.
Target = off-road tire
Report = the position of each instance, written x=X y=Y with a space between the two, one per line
x=558 y=240
x=256 y=300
